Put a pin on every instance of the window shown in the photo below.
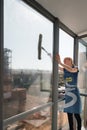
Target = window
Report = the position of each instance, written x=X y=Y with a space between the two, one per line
x=66 y=43
x=27 y=80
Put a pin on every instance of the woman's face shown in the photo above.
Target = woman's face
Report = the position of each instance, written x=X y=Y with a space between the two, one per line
x=68 y=61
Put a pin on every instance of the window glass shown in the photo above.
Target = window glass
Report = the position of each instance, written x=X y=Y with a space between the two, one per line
x=27 y=79
x=82 y=79
x=81 y=62
x=66 y=44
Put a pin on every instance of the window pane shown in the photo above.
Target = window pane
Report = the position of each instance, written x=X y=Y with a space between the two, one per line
x=81 y=62
x=27 y=80
x=66 y=43
x=82 y=79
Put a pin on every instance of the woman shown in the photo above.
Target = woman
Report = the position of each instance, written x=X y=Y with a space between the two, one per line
x=72 y=96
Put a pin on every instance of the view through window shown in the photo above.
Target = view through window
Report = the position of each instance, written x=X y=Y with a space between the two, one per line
x=27 y=80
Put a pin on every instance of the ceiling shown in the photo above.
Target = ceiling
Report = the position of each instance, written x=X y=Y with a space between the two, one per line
x=72 y=13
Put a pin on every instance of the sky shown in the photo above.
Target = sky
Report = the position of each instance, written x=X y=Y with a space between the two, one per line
x=22 y=26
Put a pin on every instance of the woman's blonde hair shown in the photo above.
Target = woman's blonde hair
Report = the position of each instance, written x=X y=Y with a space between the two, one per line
x=68 y=58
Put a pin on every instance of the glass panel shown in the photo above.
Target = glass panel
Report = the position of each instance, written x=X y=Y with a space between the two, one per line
x=66 y=43
x=64 y=40
x=81 y=62
x=27 y=80
x=85 y=39
x=38 y=121
x=82 y=79
x=84 y=114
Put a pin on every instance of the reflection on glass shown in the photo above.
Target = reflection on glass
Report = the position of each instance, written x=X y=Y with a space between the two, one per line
x=81 y=62
x=82 y=79
x=27 y=80
x=38 y=121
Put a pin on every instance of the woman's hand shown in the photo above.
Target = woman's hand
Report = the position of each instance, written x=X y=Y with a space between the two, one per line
x=58 y=58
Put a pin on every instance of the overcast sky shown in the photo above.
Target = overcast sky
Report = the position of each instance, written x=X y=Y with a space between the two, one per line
x=22 y=26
